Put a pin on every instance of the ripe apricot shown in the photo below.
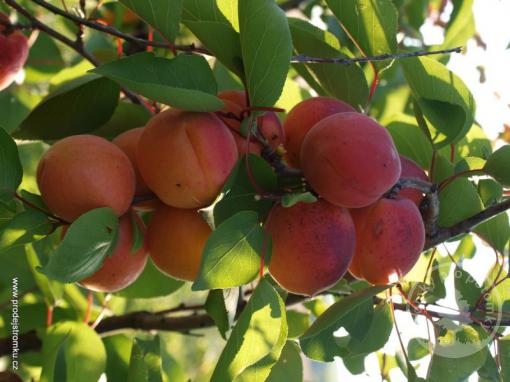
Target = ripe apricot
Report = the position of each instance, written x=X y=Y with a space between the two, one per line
x=350 y=160
x=313 y=245
x=83 y=172
x=411 y=170
x=122 y=267
x=303 y=117
x=389 y=239
x=14 y=48
x=176 y=239
x=269 y=124
x=186 y=157
x=128 y=142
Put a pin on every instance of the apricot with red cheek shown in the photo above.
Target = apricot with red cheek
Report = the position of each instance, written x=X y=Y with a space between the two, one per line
x=313 y=245
x=389 y=239
x=350 y=160
x=83 y=172
x=14 y=53
x=411 y=170
x=176 y=239
x=128 y=142
x=186 y=157
x=303 y=117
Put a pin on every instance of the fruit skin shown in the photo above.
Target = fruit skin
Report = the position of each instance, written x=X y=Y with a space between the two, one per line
x=350 y=160
x=14 y=48
x=128 y=142
x=313 y=245
x=186 y=157
x=389 y=239
x=303 y=117
x=176 y=239
x=122 y=267
x=411 y=170
x=84 y=172
x=270 y=126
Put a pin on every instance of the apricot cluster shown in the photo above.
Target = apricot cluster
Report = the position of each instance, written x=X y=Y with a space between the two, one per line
x=14 y=52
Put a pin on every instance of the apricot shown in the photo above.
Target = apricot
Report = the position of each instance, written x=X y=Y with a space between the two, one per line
x=186 y=157
x=389 y=239
x=122 y=267
x=303 y=117
x=176 y=239
x=411 y=170
x=128 y=142
x=83 y=172
x=313 y=245
x=350 y=160
x=269 y=124
x=14 y=48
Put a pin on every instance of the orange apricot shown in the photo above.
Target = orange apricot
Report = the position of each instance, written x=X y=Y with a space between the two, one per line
x=83 y=172
x=122 y=267
x=128 y=142
x=313 y=245
x=350 y=160
x=389 y=239
x=176 y=239
x=303 y=117
x=186 y=157
x=411 y=170
x=14 y=53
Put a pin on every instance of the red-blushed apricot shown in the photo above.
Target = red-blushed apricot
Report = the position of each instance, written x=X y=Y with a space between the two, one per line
x=303 y=117
x=410 y=169
x=269 y=124
x=83 y=172
x=122 y=267
x=176 y=239
x=128 y=142
x=186 y=157
x=313 y=245
x=389 y=239
x=14 y=53
x=350 y=160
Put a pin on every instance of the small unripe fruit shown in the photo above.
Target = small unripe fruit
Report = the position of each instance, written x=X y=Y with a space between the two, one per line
x=389 y=239
x=350 y=160
x=83 y=172
x=186 y=157
x=13 y=53
x=411 y=170
x=128 y=142
x=313 y=245
x=176 y=239
x=303 y=117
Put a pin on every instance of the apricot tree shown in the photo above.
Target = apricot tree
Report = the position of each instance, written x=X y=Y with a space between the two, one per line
x=231 y=189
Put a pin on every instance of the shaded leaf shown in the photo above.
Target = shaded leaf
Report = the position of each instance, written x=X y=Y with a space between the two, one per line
x=215 y=307
x=498 y=165
x=145 y=362
x=11 y=171
x=289 y=367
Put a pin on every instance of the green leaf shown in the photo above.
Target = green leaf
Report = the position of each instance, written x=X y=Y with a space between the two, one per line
x=239 y=191
x=495 y=231
x=461 y=26
x=44 y=59
x=465 y=250
x=151 y=283
x=88 y=241
x=436 y=290
x=77 y=107
x=372 y=24
x=84 y=352
x=298 y=323
x=257 y=339
x=15 y=107
x=26 y=227
x=289 y=200
x=11 y=171
x=443 y=98
x=467 y=290
x=504 y=354
x=498 y=165
x=490 y=191
x=185 y=82
x=417 y=348
x=126 y=116
x=289 y=367
x=145 y=362
x=216 y=309
x=489 y=371
x=459 y=200
x=163 y=15
x=346 y=82
x=118 y=352
x=318 y=342
x=232 y=253
x=498 y=299
x=266 y=46
x=215 y=23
